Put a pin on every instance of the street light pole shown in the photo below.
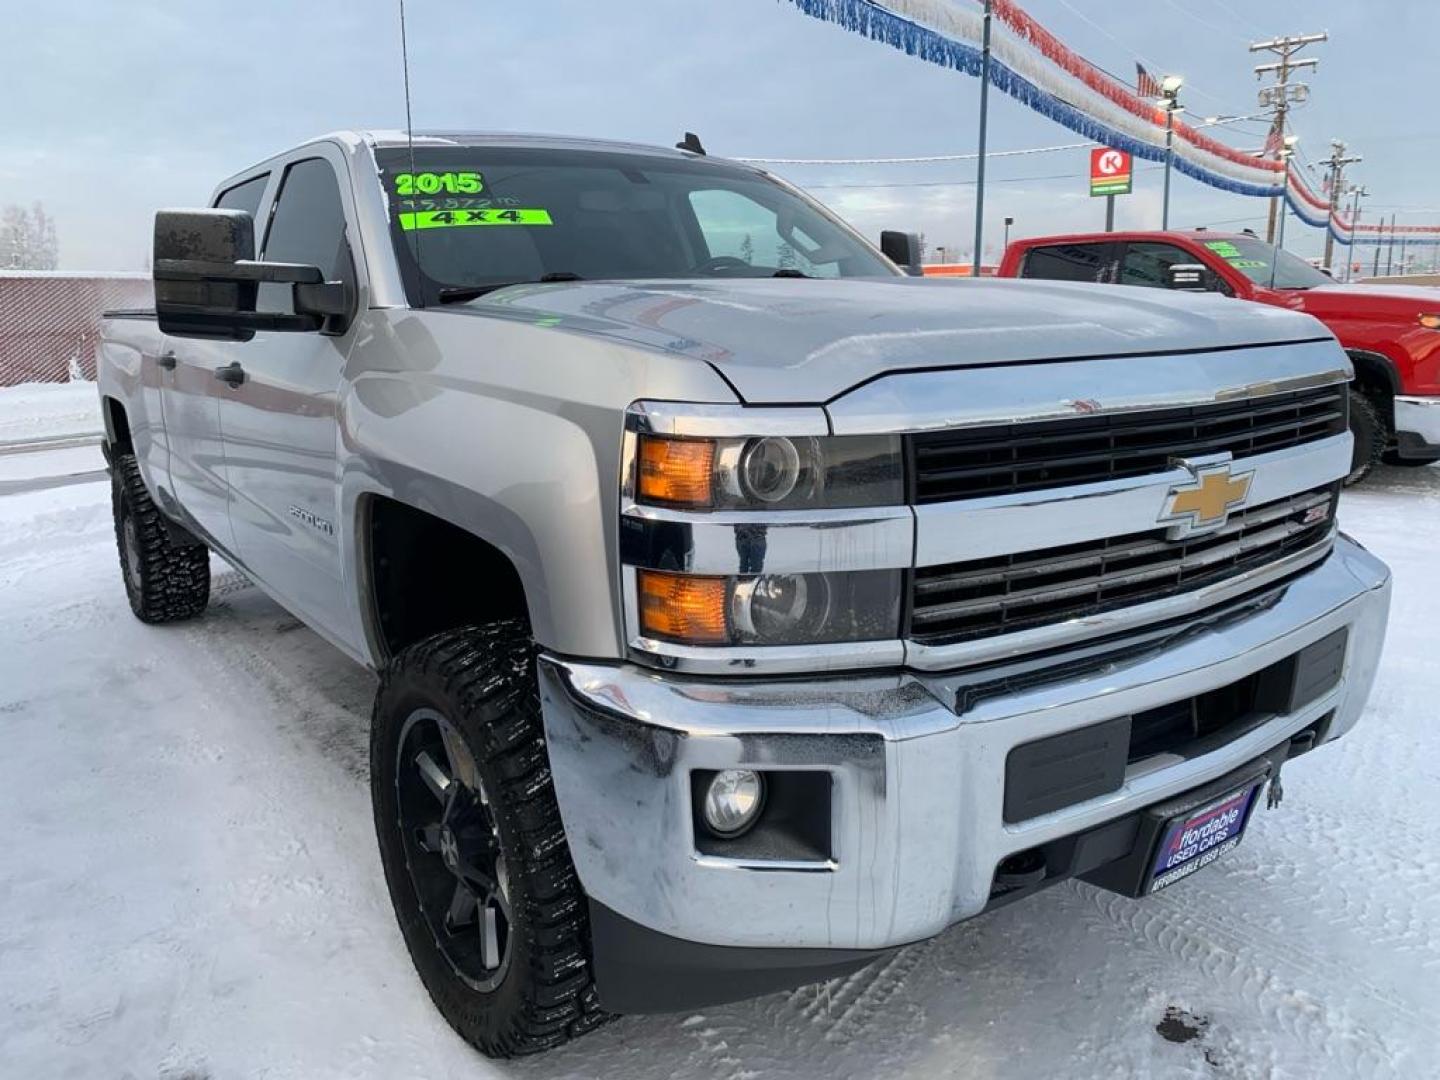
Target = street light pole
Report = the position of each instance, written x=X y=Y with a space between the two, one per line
x=980 y=163
x=1170 y=91
x=1287 y=149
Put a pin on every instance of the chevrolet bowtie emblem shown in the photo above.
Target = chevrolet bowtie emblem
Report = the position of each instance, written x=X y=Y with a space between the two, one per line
x=1203 y=503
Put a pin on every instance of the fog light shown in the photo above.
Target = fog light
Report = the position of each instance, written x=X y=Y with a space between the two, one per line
x=733 y=801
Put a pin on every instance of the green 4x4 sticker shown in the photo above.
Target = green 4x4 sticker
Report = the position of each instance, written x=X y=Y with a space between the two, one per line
x=449 y=219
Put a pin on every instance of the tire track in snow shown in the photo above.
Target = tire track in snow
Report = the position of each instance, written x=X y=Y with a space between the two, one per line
x=1249 y=976
x=848 y=1008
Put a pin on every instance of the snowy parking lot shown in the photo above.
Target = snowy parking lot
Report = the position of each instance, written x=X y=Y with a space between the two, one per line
x=190 y=886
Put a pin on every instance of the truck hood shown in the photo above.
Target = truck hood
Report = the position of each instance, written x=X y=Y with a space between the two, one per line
x=806 y=341
x=1362 y=301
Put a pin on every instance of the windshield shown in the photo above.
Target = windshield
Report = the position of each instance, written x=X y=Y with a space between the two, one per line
x=464 y=218
x=1254 y=259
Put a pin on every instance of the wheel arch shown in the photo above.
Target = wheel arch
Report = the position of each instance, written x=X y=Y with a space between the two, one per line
x=1376 y=378
x=421 y=572
x=118 y=439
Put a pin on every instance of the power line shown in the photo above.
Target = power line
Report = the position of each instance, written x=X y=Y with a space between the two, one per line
x=942 y=158
x=927 y=160
x=1208 y=25
x=962 y=183
x=1132 y=51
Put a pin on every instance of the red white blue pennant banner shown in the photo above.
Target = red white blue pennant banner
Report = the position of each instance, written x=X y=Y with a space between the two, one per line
x=1036 y=68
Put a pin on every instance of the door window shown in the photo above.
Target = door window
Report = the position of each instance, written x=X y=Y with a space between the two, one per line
x=1066 y=262
x=307 y=226
x=1148 y=265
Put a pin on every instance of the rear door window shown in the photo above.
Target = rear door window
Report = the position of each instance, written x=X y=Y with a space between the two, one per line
x=1067 y=262
x=244 y=196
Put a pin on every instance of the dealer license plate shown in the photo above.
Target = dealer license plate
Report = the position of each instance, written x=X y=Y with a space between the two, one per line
x=1197 y=839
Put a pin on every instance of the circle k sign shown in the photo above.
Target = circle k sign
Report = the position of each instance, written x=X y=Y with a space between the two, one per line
x=1109 y=171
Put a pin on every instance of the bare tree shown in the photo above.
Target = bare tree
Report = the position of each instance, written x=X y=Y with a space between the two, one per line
x=27 y=239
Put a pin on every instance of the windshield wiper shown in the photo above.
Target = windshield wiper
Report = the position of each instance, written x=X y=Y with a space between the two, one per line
x=462 y=293
x=787 y=271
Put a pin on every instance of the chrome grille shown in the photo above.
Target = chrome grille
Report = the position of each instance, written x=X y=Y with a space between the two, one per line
x=1007 y=458
x=1002 y=595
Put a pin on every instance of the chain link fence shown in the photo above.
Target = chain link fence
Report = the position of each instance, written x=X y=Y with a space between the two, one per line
x=50 y=321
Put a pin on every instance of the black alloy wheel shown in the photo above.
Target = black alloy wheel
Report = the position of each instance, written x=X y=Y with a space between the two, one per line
x=452 y=849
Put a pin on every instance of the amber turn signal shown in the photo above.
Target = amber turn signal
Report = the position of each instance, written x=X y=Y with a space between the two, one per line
x=680 y=472
x=683 y=608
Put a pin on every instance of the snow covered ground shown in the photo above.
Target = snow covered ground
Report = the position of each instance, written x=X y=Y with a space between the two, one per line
x=190 y=886
x=48 y=411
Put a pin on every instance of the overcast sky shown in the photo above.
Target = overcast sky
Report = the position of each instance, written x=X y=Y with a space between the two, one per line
x=113 y=109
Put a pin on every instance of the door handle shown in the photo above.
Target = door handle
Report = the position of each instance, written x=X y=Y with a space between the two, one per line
x=166 y=361
x=231 y=374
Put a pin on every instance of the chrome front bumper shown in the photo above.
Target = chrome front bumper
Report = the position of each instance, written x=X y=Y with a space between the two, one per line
x=917 y=789
x=1420 y=416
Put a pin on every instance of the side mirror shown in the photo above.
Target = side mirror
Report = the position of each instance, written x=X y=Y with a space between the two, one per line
x=207 y=280
x=1191 y=277
x=903 y=249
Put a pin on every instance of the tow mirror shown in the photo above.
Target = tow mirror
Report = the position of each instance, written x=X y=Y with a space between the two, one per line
x=903 y=249
x=1191 y=277
x=207 y=281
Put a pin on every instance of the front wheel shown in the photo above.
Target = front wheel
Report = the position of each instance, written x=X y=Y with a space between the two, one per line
x=1371 y=436
x=474 y=851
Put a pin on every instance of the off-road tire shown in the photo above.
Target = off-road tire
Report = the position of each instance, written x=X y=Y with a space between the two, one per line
x=167 y=574
x=1372 y=436
x=482 y=681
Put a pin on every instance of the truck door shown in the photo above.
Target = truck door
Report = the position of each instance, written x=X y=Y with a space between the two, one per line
x=279 y=411
x=190 y=398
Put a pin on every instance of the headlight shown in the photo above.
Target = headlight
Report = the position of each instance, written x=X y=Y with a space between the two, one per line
x=770 y=609
x=1430 y=322
x=774 y=472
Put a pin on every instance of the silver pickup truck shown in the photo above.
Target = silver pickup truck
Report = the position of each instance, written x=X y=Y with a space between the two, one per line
x=744 y=607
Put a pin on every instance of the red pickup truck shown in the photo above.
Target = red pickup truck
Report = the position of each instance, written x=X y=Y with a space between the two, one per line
x=1392 y=333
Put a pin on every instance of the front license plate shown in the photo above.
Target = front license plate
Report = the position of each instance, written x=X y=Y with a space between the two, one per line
x=1197 y=839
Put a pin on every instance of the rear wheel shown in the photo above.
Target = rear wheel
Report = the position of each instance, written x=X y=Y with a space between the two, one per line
x=1371 y=433
x=474 y=851
x=166 y=571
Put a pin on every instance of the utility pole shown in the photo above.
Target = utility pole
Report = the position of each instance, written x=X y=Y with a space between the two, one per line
x=1336 y=164
x=1359 y=191
x=1280 y=96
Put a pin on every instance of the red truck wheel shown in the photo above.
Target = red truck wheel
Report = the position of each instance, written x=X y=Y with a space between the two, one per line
x=1371 y=436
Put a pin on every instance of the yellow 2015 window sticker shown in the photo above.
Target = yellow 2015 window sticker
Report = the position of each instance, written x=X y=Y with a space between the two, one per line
x=433 y=183
x=450 y=219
